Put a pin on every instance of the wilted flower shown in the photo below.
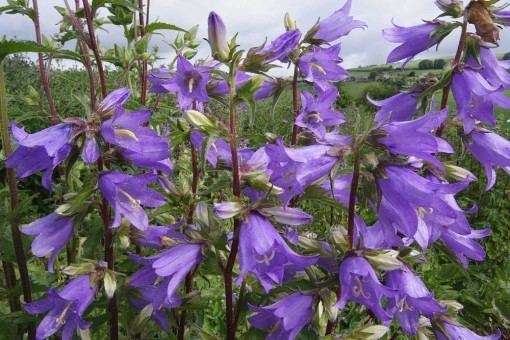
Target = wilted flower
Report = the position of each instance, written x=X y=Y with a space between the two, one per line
x=412 y=300
x=217 y=36
x=415 y=137
x=413 y=40
x=491 y=150
x=316 y=112
x=52 y=233
x=479 y=14
x=264 y=253
x=360 y=284
x=40 y=151
x=452 y=331
x=127 y=194
x=337 y=25
x=65 y=308
x=285 y=318
x=320 y=66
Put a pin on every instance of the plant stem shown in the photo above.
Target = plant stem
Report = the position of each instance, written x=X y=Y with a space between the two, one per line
x=93 y=45
x=236 y=188
x=143 y=76
x=352 y=193
x=10 y=283
x=295 y=105
x=42 y=68
x=14 y=199
x=456 y=61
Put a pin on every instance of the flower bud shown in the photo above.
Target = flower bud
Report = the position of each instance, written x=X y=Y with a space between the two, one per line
x=80 y=269
x=458 y=173
x=384 y=259
x=453 y=8
x=226 y=210
x=287 y=215
x=198 y=120
x=110 y=284
x=218 y=38
x=289 y=22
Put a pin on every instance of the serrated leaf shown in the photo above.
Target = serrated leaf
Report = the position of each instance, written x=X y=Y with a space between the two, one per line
x=21 y=46
x=156 y=26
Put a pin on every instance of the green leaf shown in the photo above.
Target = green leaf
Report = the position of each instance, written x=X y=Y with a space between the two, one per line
x=156 y=26
x=21 y=46
x=124 y=3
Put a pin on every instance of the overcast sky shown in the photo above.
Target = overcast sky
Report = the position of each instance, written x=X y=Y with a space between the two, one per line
x=256 y=20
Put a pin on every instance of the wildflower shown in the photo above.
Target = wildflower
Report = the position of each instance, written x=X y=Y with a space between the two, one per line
x=320 y=66
x=337 y=25
x=217 y=37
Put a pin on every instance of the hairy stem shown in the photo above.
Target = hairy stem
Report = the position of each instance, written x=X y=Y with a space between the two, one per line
x=295 y=105
x=143 y=76
x=236 y=188
x=352 y=194
x=14 y=200
x=456 y=61
x=45 y=79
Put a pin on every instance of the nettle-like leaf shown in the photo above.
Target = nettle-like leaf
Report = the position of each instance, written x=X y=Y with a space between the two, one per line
x=8 y=47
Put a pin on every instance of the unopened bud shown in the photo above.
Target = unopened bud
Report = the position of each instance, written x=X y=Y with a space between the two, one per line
x=480 y=16
x=198 y=120
x=384 y=259
x=289 y=22
x=217 y=35
x=226 y=210
x=458 y=173
x=453 y=8
x=110 y=283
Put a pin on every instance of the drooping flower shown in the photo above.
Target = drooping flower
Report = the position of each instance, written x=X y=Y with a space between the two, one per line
x=279 y=49
x=138 y=143
x=264 y=253
x=316 y=112
x=173 y=265
x=475 y=97
x=412 y=300
x=503 y=17
x=52 y=233
x=495 y=71
x=286 y=215
x=189 y=83
x=360 y=284
x=320 y=66
x=285 y=318
x=413 y=40
x=415 y=137
x=90 y=151
x=399 y=107
x=341 y=188
x=219 y=150
x=491 y=150
x=455 y=331
x=113 y=100
x=217 y=37
x=220 y=87
x=65 y=308
x=464 y=246
x=40 y=151
x=160 y=236
x=127 y=194
x=337 y=25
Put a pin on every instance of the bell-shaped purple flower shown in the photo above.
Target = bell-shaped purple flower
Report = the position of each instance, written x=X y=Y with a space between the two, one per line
x=415 y=137
x=158 y=237
x=286 y=215
x=359 y=283
x=337 y=25
x=64 y=308
x=138 y=143
x=285 y=318
x=341 y=188
x=113 y=100
x=264 y=253
x=219 y=150
x=399 y=107
x=127 y=194
x=491 y=150
x=495 y=71
x=464 y=246
x=217 y=37
x=316 y=112
x=40 y=151
x=412 y=40
x=503 y=17
x=52 y=233
x=90 y=151
x=454 y=331
x=412 y=300
x=320 y=66
x=173 y=265
x=278 y=49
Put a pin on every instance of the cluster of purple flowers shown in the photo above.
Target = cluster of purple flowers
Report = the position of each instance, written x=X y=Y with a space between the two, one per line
x=415 y=205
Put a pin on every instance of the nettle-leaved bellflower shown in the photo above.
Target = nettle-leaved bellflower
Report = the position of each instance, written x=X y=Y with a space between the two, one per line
x=415 y=137
x=264 y=253
x=503 y=17
x=52 y=233
x=317 y=113
x=320 y=66
x=217 y=37
x=279 y=49
x=64 y=308
x=490 y=149
x=359 y=283
x=454 y=331
x=127 y=194
x=340 y=188
x=337 y=25
x=138 y=143
x=399 y=107
x=413 y=40
x=412 y=300
x=40 y=151
x=285 y=318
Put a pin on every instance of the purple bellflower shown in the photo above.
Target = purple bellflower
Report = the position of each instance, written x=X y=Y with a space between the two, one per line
x=217 y=37
x=493 y=69
x=40 y=151
x=491 y=150
x=399 y=107
x=320 y=66
x=264 y=253
x=158 y=237
x=413 y=40
x=219 y=150
x=316 y=112
x=412 y=300
x=90 y=152
x=139 y=144
x=415 y=137
x=113 y=100
x=337 y=25
x=360 y=284
x=503 y=17
x=464 y=246
x=455 y=331
x=279 y=49
x=127 y=194
x=65 y=308
x=52 y=233
x=341 y=188
x=285 y=318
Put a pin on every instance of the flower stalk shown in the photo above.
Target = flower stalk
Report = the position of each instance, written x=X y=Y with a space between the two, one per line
x=295 y=105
